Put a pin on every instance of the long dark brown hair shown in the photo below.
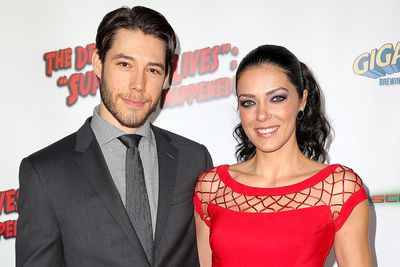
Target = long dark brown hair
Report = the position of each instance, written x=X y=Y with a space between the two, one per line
x=313 y=129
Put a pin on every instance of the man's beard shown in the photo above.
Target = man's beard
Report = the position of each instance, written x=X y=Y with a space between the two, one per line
x=126 y=119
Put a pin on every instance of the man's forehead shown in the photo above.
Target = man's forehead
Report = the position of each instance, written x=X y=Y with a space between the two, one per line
x=137 y=44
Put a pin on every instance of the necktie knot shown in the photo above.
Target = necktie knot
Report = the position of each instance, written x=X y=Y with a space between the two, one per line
x=130 y=140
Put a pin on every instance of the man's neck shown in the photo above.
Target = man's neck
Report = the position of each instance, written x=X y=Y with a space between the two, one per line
x=107 y=116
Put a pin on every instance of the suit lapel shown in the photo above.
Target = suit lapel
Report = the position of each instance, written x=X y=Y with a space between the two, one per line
x=167 y=166
x=92 y=163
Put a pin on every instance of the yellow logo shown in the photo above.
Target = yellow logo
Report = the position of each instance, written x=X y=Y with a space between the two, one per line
x=378 y=62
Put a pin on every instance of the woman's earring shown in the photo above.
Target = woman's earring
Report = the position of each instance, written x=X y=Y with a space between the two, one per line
x=300 y=115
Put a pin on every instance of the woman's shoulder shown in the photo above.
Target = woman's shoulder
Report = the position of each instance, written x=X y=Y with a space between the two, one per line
x=209 y=183
x=213 y=173
x=347 y=191
x=345 y=178
x=343 y=172
x=210 y=177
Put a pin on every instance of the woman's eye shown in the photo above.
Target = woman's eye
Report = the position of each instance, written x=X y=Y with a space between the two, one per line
x=246 y=103
x=278 y=98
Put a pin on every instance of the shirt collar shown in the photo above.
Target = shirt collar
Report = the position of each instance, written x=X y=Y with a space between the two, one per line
x=106 y=132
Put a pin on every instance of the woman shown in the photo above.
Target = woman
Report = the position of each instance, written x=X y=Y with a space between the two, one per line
x=280 y=205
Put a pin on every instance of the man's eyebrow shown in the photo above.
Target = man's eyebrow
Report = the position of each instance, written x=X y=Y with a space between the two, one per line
x=160 y=65
x=130 y=58
x=120 y=55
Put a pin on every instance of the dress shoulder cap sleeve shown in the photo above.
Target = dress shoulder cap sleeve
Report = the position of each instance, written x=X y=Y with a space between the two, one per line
x=348 y=192
x=205 y=191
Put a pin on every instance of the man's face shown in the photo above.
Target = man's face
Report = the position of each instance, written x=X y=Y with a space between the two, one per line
x=132 y=77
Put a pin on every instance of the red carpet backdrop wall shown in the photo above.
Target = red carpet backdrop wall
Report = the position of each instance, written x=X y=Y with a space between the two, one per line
x=48 y=88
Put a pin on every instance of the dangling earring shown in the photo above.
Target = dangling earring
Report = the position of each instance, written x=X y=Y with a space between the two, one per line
x=300 y=115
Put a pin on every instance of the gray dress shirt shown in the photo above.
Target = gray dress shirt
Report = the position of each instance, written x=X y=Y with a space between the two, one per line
x=114 y=153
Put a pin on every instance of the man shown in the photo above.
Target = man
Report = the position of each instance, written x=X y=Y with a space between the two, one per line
x=79 y=203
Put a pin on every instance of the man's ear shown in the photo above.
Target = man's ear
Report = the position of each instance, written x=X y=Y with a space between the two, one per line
x=168 y=79
x=166 y=83
x=96 y=63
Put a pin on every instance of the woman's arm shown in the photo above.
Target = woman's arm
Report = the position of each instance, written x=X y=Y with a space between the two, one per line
x=203 y=242
x=351 y=241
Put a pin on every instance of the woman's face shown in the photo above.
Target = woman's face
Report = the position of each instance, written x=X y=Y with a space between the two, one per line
x=268 y=106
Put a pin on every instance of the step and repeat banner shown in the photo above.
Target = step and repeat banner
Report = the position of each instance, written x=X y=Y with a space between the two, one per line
x=48 y=87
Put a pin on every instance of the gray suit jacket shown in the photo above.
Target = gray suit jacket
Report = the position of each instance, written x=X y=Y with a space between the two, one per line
x=71 y=214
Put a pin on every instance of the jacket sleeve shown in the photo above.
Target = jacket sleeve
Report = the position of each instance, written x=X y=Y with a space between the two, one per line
x=209 y=162
x=38 y=241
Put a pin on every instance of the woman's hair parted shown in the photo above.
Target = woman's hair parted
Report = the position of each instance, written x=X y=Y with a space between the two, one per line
x=313 y=129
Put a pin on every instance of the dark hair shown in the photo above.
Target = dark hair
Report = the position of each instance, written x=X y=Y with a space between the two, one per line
x=141 y=19
x=312 y=129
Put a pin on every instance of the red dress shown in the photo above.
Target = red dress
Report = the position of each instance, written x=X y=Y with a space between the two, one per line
x=284 y=226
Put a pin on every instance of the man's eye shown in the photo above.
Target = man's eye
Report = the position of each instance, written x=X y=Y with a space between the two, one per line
x=154 y=71
x=123 y=64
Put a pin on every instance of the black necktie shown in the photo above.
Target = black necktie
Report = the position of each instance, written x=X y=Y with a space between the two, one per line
x=137 y=201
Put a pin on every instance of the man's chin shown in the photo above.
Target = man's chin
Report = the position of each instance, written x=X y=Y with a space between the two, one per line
x=136 y=122
x=134 y=119
x=130 y=124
